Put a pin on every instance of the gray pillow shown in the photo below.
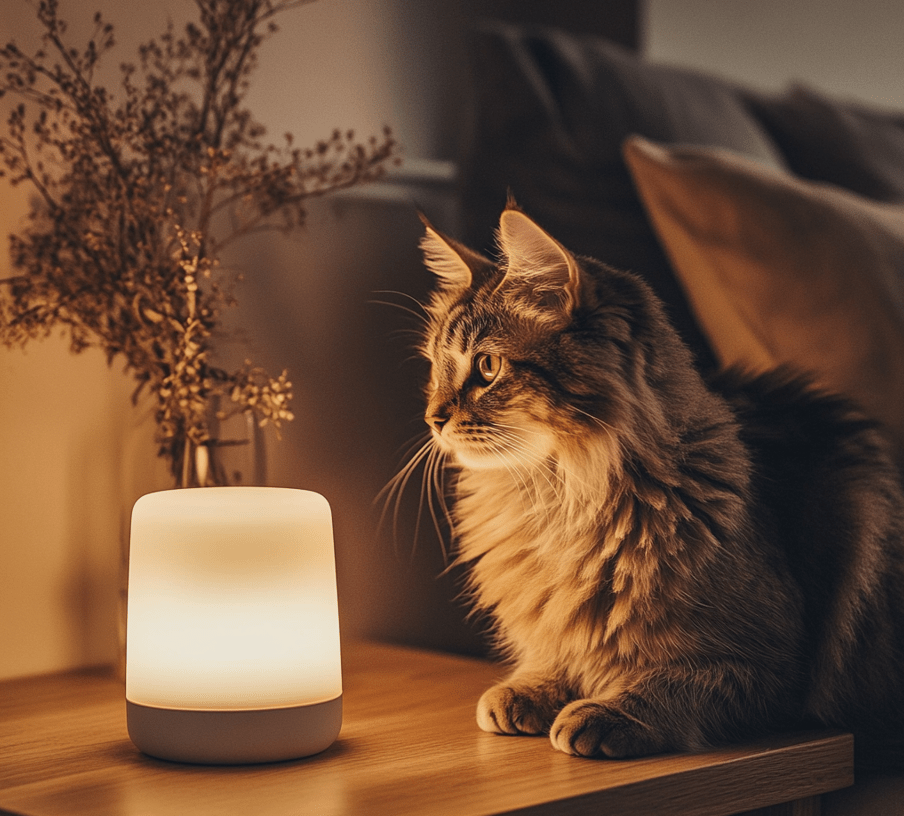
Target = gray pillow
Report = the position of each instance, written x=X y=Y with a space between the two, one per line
x=842 y=143
x=551 y=110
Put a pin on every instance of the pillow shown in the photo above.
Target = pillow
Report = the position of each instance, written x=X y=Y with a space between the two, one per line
x=781 y=270
x=551 y=110
x=843 y=143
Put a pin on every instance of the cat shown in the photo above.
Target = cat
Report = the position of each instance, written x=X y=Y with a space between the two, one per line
x=669 y=563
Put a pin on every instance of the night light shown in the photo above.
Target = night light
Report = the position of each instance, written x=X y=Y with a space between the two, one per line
x=232 y=640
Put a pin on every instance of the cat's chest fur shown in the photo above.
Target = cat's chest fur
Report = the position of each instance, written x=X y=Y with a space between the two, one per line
x=544 y=558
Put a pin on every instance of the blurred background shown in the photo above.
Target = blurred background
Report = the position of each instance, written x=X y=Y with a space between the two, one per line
x=75 y=453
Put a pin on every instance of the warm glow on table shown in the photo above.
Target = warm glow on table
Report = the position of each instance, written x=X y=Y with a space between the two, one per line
x=409 y=746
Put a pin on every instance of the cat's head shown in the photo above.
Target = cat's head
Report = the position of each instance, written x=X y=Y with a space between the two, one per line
x=542 y=353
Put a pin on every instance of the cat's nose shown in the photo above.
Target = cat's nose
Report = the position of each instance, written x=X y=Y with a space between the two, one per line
x=437 y=422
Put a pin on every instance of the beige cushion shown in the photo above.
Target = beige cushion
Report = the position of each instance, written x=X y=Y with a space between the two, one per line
x=781 y=270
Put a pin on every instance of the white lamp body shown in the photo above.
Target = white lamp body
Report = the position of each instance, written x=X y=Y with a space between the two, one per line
x=232 y=641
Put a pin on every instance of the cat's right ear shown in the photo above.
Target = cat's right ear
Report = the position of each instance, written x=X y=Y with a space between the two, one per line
x=446 y=258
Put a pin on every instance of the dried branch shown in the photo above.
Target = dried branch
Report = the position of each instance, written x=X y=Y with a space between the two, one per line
x=121 y=247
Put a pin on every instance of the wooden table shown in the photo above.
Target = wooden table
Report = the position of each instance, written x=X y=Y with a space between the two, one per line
x=409 y=745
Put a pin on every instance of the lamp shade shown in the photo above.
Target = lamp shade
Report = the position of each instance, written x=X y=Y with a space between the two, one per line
x=232 y=640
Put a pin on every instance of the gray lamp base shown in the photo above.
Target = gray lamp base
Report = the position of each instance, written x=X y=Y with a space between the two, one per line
x=234 y=737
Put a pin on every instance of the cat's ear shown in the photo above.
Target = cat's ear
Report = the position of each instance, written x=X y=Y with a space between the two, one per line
x=445 y=258
x=535 y=258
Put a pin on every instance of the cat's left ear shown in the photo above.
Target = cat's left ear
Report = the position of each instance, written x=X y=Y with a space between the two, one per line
x=537 y=259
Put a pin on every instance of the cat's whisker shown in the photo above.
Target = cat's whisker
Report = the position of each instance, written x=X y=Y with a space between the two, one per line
x=394 y=489
x=432 y=464
x=515 y=448
x=405 y=295
x=526 y=493
x=420 y=313
x=420 y=502
x=569 y=487
x=417 y=450
x=397 y=306
x=601 y=422
x=431 y=459
x=408 y=333
x=545 y=483
x=435 y=468
x=519 y=446
x=611 y=431
x=558 y=468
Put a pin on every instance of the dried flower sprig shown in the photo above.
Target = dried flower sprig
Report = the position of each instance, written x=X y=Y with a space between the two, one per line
x=139 y=192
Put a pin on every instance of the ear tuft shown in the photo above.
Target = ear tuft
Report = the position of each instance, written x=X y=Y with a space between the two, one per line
x=442 y=259
x=534 y=257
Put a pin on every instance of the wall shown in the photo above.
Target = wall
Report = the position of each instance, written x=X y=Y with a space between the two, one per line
x=74 y=453
x=848 y=49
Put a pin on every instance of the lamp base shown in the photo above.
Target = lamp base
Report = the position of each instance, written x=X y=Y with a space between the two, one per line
x=234 y=737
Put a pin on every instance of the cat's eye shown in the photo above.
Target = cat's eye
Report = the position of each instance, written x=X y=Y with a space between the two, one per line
x=487 y=367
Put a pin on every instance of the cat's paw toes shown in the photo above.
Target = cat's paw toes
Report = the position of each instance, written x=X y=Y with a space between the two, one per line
x=505 y=710
x=589 y=729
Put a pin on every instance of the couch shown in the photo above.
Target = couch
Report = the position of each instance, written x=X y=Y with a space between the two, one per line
x=772 y=225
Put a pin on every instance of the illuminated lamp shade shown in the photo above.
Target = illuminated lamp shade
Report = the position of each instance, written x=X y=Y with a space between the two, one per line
x=232 y=640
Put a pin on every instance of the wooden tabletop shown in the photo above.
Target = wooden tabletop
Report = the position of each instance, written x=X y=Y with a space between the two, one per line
x=409 y=745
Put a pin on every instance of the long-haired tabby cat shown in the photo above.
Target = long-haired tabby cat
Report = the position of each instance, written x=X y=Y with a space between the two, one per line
x=669 y=564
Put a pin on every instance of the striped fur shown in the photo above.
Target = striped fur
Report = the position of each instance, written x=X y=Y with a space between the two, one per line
x=654 y=550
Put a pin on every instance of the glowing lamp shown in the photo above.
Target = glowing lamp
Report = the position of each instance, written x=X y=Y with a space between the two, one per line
x=232 y=640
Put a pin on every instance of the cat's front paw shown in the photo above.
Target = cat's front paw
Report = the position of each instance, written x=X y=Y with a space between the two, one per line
x=507 y=710
x=591 y=729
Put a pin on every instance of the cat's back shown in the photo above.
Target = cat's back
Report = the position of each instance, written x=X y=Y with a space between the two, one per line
x=829 y=493
x=813 y=451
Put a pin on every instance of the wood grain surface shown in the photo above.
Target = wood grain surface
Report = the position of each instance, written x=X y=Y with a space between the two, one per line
x=409 y=745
